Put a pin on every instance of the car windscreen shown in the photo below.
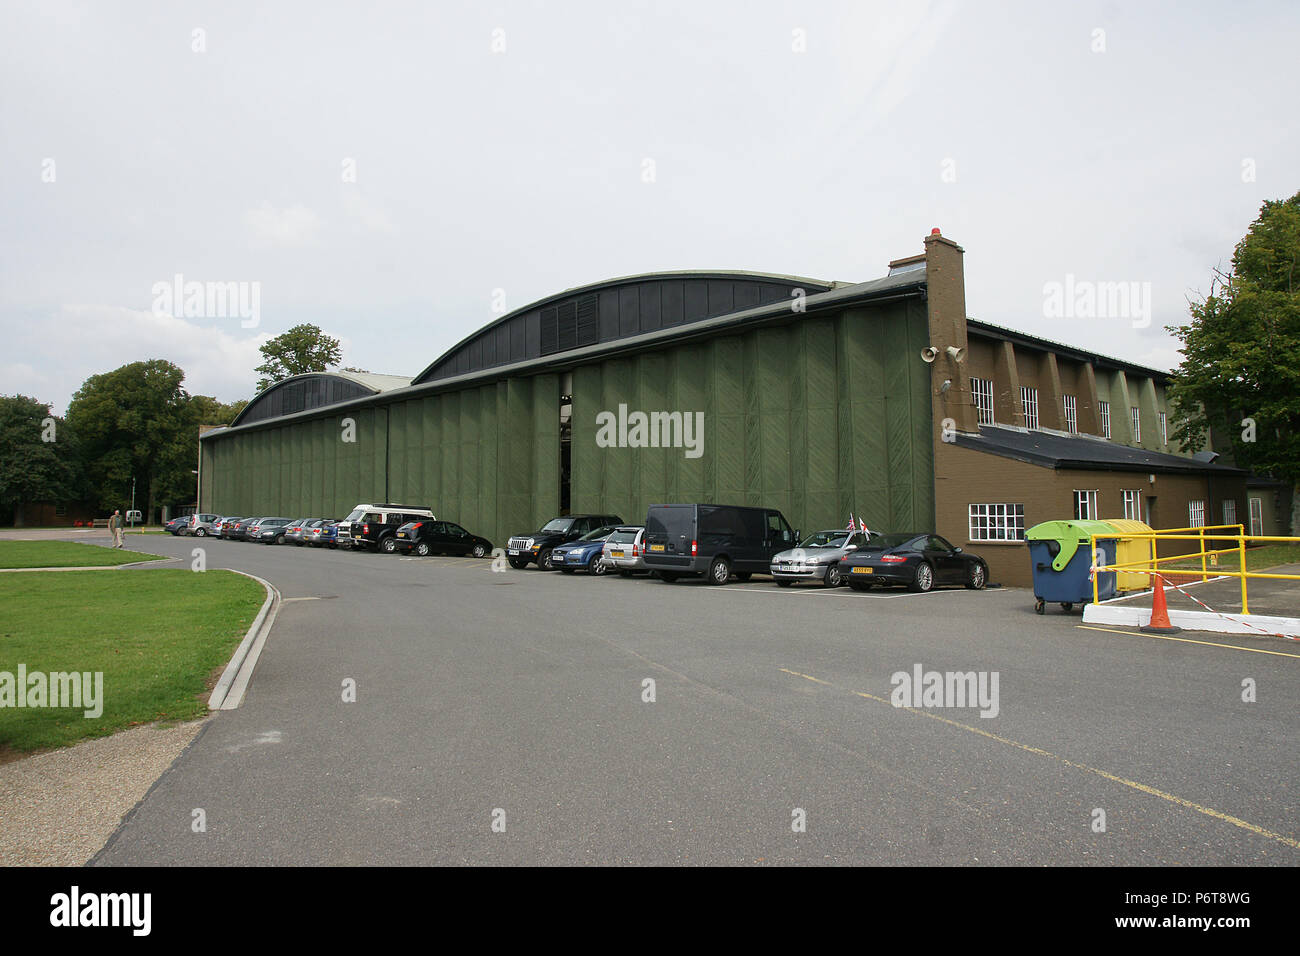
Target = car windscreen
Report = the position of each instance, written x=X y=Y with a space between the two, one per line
x=355 y=515
x=826 y=539
x=561 y=525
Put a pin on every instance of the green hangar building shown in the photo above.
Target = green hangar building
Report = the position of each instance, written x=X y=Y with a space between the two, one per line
x=879 y=399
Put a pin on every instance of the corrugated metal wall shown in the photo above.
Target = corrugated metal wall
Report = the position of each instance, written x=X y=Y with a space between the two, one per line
x=819 y=419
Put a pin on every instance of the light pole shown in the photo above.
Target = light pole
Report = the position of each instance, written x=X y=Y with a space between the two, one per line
x=131 y=515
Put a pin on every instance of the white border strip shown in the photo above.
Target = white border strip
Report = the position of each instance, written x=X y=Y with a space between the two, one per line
x=229 y=692
x=1195 y=620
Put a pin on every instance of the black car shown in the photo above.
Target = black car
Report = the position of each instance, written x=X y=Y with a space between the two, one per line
x=920 y=561
x=524 y=548
x=240 y=531
x=427 y=536
x=714 y=540
x=176 y=524
x=268 y=530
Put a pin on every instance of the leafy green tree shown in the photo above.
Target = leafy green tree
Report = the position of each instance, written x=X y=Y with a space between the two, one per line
x=212 y=412
x=304 y=348
x=128 y=423
x=38 y=460
x=1240 y=376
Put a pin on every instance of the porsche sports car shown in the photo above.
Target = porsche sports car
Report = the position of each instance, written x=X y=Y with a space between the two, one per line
x=920 y=561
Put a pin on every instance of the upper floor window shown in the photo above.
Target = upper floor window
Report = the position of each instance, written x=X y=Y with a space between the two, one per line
x=1029 y=402
x=1137 y=424
x=1164 y=429
x=1103 y=409
x=1071 y=414
x=982 y=390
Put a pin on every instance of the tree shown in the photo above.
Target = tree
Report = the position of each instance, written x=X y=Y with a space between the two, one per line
x=1239 y=375
x=212 y=412
x=304 y=348
x=129 y=423
x=38 y=459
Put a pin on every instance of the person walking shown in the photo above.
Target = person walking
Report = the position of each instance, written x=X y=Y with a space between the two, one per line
x=115 y=526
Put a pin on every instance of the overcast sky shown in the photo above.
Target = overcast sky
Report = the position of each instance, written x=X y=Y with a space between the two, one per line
x=379 y=169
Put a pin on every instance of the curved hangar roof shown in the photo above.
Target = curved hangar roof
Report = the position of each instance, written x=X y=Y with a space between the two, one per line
x=610 y=310
x=297 y=393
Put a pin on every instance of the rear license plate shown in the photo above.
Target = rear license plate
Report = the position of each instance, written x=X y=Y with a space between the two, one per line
x=616 y=554
x=863 y=570
x=656 y=547
x=401 y=534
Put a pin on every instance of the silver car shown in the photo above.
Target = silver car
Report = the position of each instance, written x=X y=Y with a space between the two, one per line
x=818 y=557
x=201 y=525
x=625 y=550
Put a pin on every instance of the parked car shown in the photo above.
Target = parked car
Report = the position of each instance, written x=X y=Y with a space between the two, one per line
x=920 y=561
x=624 y=550
x=538 y=546
x=269 y=530
x=585 y=554
x=817 y=558
x=228 y=526
x=324 y=535
x=240 y=531
x=295 y=531
x=439 y=537
x=200 y=525
x=175 y=525
x=714 y=540
x=370 y=526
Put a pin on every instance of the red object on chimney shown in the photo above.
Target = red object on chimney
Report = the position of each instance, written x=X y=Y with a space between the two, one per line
x=935 y=231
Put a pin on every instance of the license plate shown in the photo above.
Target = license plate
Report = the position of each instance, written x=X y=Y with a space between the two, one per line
x=790 y=567
x=863 y=570
x=616 y=554
x=656 y=547
x=511 y=551
x=401 y=534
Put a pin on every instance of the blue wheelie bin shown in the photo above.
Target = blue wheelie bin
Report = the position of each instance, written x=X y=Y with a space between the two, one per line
x=1060 y=559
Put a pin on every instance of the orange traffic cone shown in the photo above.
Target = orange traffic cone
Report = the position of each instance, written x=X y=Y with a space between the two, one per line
x=1159 y=610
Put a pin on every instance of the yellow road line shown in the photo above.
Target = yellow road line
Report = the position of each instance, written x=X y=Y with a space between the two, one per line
x=1133 y=784
x=1186 y=640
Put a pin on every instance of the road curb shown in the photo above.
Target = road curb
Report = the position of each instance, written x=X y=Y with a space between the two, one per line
x=230 y=689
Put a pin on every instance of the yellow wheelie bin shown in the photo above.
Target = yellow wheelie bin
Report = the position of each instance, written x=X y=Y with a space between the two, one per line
x=1132 y=551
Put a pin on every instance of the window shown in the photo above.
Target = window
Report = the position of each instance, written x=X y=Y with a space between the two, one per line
x=1196 y=514
x=1256 y=516
x=982 y=389
x=1230 y=511
x=1029 y=402
x=1131 y=505
x=1103 y=409
x=1164 y=429
x=1137 y=424
x=997 y=522
x=1085 y=504
x=1071 y=414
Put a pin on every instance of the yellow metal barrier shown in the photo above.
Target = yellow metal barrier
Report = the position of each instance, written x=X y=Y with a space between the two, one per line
x=1200 y=536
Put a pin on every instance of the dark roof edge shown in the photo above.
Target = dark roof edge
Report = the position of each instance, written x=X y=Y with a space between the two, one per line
x=1048 y=345
x=1079 y=464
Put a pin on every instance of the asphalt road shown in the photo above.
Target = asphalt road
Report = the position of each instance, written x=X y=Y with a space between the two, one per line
x=522 y=692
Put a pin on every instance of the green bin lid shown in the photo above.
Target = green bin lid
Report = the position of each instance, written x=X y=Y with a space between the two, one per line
x=1069 y=535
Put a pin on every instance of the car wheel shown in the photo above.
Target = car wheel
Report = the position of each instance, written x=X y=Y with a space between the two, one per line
x=388 y=545
x=518 y=564
x=480 y=551
x=422 y=549
x=278 y=539
x=977 y=577
x=201 y=533
x=544 y=560
x=596 y=565
x=924 y=579
x=783 y=584
x=833 y=578
x=720 y=571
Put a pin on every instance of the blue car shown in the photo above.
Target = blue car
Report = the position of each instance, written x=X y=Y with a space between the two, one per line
x=585 y=554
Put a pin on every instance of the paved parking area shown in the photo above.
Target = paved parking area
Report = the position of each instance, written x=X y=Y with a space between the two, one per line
x=520 y=698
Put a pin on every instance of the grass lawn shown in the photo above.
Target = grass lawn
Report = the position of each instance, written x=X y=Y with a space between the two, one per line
x=142 y=629
x=1257 y=559
x=65 y=554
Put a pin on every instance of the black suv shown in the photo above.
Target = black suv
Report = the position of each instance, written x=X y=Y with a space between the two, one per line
x=523 y=548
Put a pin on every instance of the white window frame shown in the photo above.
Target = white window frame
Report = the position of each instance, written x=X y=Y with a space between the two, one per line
x=1103 y=409
x=1256 y=508
x=982 y=392
x=1164 y=428
x=1229 y=510
x=1137 y=424
x=996 y=522
x=1132 y=504
x=1087 y=498
x=1196 y=513
x=1071 y=414
x=1029 y=405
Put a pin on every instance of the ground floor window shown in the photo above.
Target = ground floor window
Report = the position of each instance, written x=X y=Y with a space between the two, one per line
x=1196 y=514
x=1131 y=504
x=1230 y=511
x=997 y=522
x=1085 y=504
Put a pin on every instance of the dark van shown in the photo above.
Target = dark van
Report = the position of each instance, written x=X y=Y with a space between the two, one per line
x=715 y=540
